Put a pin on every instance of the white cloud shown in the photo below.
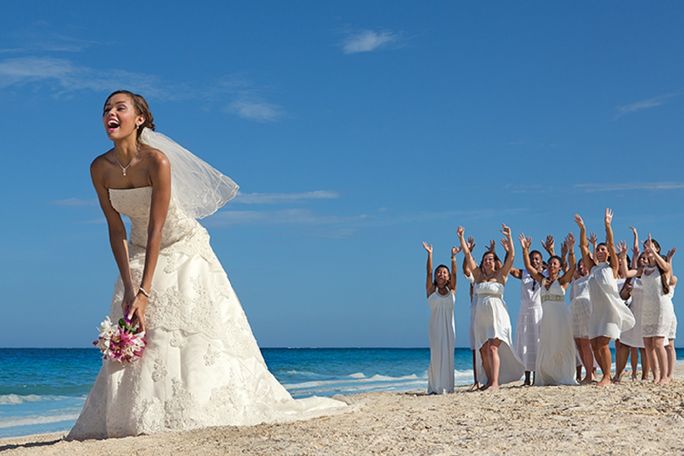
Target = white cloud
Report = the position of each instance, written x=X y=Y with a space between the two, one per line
x=69 y=77
x=616 y=187
x=644 y=104
x=280 y=198
x=255 y=110
x=368 y=41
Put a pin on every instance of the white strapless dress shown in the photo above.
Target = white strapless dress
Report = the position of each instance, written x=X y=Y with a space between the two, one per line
x=202 y=366
x=492 y=322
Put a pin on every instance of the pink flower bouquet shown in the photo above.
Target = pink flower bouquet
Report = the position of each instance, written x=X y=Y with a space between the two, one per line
x=121 y=342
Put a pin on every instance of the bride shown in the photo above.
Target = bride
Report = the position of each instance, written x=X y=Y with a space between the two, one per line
x=202 y=366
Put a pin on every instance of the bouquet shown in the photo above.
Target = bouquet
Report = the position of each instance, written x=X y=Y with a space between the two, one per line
x=120 y=342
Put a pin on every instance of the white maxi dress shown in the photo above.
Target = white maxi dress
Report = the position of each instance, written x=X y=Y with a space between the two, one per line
x=556 y=359
x=529 y=317
x=441 y=332
x=657 y=311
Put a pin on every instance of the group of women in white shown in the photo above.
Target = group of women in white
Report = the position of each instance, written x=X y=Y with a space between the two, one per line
x=611 y=297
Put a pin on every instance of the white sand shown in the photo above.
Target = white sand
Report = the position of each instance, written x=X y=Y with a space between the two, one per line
x=630 y=418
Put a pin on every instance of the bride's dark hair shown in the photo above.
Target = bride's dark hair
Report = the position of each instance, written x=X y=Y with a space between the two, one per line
x=141 y=107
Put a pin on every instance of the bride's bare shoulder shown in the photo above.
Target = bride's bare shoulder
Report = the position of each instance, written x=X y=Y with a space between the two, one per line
x=101 y=161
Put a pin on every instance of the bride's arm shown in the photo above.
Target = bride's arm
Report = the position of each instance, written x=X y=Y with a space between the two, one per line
x=117 y=230
x=160 y=176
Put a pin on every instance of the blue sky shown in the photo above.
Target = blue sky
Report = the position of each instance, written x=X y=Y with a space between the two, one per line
x=356 y=130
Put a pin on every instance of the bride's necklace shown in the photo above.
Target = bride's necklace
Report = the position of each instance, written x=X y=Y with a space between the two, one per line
x=123 y=168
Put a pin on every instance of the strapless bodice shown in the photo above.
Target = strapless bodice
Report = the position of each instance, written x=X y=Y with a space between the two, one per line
x=135 y=204
x=554 y=293
x=489 y=289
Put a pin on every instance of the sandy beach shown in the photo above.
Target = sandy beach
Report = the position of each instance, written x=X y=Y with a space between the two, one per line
x=630 y=418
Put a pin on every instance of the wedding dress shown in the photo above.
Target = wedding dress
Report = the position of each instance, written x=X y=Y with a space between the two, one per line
x=556 y=357
x=202 y=366
x=609 y=314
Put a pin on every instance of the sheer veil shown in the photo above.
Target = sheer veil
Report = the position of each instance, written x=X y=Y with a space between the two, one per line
x=198 y=188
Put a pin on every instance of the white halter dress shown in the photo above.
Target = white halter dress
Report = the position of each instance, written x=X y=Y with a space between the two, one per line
x=492 y=322
x=556 y=358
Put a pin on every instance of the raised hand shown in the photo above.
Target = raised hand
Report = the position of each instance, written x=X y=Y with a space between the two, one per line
x=504 y=244
x=569 y=242
x=648 y=245
x=471 y=243
x=491 y=246
x=506 y=231
x=622 y=249
x=455 y=251
x=525 y=242
x=427 y=247
x=549 y=244
x=670 y=254
x=460 y=231
x=592 y=240
x=608 y=218
x=578 y=220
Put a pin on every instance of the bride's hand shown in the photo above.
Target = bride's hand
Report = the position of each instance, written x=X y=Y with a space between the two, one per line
x=127 y=301
x=136 y=311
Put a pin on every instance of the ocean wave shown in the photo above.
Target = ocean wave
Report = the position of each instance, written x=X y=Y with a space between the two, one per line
x=33 y=420
x=16 y=399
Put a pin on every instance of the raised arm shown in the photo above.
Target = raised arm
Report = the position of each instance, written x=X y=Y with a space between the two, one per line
x=660 y=261
x=471 y=246
x=584 y=244
x=117 y=231
x=525 y=243
x=468 y=260
x=635 y=248
x=569 y=243
x=508 y=263
x=623 y=268
x=593 y=241
x=429 y=283
x=549 y=245
x=564 y=254
x=610 y=241
x=452 y=282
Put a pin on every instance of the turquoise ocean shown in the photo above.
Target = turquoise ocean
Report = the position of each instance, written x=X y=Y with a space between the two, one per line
x=43 y=390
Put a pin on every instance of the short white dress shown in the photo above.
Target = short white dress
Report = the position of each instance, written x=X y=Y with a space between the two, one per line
x=580 y=307
x=657 y=311
x=673 y=328
x=609 y=314
x=634 y=337
x=556 y=357
x=492 y=322
x=441 y=333
x=529 y=316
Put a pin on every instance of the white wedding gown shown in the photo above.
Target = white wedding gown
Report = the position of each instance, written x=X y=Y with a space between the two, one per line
x=441 y=334
x=202 y=366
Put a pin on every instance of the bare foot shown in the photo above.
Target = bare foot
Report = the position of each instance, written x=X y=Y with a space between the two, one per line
x=474 y=387
x=605 y=381
x=494 y=387
x=587 y=381
x=616 y=379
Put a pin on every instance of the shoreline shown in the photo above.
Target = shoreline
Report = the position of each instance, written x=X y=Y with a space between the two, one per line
x=631 y=417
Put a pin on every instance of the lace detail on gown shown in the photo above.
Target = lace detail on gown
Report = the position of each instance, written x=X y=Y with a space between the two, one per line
x=202 y=366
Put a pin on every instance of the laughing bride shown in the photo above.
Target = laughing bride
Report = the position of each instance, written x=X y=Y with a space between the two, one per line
x=202 y=366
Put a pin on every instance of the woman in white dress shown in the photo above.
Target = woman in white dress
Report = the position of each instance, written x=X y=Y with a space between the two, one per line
x=580 y=310
x=657 y=312
x=632 y=291
x=556 y=356
x=526 y=344
x=609 y=314
x=441 y=294
x=202 y=366
x=492 y=326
